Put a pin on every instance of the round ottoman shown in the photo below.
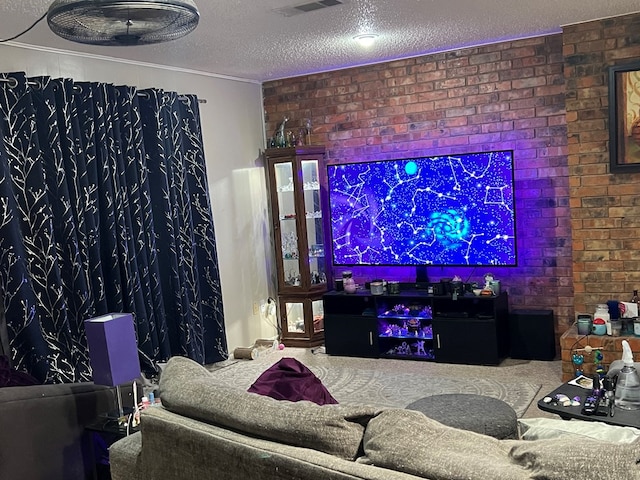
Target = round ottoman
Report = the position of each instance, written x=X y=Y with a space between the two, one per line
x=476 y=413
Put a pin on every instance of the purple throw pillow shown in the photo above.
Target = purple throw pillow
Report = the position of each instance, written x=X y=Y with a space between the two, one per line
x=14 y=378
x=288 y=379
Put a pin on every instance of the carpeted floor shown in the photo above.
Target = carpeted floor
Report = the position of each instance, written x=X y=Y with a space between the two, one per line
x=396 y=383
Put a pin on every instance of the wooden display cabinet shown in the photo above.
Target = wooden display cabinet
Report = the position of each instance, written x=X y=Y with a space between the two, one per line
x=296 y=208
x=301 y=320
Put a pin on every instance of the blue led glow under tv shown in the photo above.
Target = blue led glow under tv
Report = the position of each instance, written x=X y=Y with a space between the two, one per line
x=444 y=210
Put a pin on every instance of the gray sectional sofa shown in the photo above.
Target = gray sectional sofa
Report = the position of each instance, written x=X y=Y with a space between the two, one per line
x=206 y=429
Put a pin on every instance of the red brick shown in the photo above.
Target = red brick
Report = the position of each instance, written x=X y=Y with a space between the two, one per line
x=431 y=76
x=449 y=103
x=450 y=83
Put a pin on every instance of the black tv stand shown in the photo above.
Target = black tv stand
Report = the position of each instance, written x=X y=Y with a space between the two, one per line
x=414 y=324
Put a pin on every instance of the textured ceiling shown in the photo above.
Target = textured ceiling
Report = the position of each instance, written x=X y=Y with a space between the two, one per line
x=254 y=40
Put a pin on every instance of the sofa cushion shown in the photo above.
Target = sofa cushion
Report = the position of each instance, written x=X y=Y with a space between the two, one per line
x=564 y=458
x=546 y=428
x=467 y=411
x=187 y=388
x=289 y=379
x=410 y=442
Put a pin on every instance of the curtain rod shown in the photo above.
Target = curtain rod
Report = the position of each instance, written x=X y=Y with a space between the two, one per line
x=181 y=97
x=13 y=83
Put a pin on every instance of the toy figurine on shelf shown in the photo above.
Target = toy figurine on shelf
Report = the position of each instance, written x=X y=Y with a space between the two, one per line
x=427 y=331
x=279 y=135
x=491 y=285
x=404 y=349
x=301 y=137
x=387 y=331
x=413 y=325
x=307 y=130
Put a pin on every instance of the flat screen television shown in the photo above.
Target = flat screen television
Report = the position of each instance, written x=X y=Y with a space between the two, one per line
x=452 y=210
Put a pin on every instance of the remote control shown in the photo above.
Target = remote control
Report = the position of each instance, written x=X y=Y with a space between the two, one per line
x=591 y=403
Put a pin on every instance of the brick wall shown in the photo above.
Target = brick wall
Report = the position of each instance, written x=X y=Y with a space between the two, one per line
x=508 y=95
x=605 y=208
x=609 y=347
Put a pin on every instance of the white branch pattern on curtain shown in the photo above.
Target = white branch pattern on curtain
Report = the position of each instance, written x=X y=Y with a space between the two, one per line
x=97 y=183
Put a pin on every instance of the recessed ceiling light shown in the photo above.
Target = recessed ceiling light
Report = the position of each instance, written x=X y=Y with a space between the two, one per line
x=366 y=39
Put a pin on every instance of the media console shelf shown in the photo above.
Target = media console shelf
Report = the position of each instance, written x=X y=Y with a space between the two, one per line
x=415 y=325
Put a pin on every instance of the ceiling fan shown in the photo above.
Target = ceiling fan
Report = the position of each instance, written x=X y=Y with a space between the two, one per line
x=121 y=22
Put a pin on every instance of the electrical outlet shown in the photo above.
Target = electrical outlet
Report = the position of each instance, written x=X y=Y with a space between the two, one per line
x=255 y=308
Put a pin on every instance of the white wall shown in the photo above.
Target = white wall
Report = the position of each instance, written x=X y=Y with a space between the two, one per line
x=233 y=133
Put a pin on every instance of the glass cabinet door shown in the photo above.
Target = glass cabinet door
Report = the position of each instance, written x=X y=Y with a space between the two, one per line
x=313 y=216
x=302 y=320
x=294 y=316
x=286 y=208
x=317 y=310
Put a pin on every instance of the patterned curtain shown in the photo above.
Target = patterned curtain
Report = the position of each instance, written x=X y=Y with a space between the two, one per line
x=105 y=208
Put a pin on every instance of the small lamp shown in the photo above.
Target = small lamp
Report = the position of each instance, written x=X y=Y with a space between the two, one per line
x=113 y=351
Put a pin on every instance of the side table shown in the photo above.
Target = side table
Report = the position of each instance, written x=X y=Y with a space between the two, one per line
x=102 y=433
x=624 y=418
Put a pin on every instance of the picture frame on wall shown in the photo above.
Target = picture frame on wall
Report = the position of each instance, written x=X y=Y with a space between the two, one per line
x=624 y=118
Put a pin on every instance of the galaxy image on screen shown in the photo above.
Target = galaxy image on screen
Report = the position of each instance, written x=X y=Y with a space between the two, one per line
x=445 y=210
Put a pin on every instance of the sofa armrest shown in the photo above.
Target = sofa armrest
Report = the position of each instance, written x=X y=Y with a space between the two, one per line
x=125 y=458
x=42 y=426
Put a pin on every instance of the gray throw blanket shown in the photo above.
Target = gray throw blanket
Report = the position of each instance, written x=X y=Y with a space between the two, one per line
x=410 y=442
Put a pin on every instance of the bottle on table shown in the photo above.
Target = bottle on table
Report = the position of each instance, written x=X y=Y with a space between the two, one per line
x=349 y=282
x=630 y=324
x=627 y=391
x=602 y=311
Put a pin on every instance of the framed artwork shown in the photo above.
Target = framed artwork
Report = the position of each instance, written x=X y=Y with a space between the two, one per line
x=624 y=118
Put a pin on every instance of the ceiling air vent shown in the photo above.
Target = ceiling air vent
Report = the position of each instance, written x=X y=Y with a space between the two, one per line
x=308 y=7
